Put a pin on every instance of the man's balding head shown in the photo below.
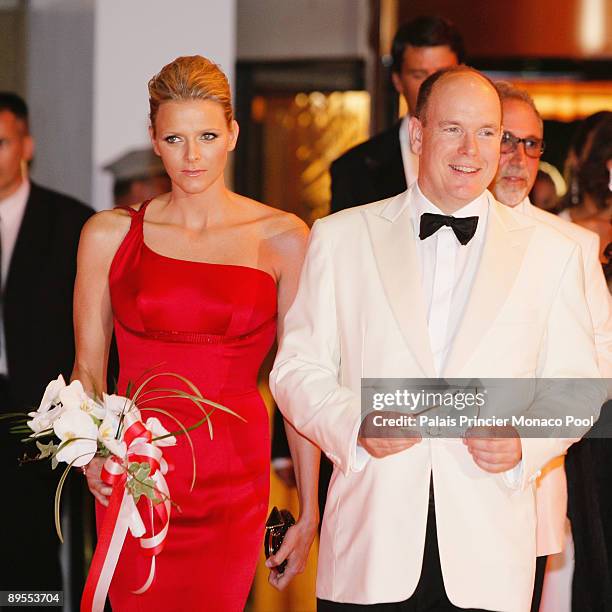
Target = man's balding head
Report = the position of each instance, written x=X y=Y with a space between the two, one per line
x=456 y=132
x=429 y=84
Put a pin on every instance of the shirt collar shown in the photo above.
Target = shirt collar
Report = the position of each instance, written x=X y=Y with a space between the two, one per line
x=420 y=205
x=13 y=206
x=523 y=206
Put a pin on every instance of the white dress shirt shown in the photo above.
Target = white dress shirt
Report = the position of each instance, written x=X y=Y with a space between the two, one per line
x=448 y=269
x=12 y=210
x=409 y=159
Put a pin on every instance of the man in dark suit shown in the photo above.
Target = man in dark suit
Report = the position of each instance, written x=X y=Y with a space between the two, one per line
x=39 y=234
x=385 y=165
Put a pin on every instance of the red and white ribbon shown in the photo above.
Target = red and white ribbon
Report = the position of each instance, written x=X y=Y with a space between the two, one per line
x=123 y=514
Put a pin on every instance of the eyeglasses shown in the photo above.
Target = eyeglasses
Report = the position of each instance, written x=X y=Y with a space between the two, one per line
x=534 y=147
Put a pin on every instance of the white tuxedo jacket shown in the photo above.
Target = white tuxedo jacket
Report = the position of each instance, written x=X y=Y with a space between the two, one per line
x=359 y=312
x=552 y=485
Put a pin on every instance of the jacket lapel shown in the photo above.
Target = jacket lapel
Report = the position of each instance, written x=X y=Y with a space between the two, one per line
x=392 y=237
x=501 y=260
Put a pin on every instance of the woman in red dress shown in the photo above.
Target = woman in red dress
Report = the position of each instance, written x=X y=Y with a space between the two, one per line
x=196 y=282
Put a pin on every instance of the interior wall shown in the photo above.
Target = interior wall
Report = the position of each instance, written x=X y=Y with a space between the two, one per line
x=59 y=92
x=134 y=40
x=12 y=46
x=578 y=29
x=277 y=29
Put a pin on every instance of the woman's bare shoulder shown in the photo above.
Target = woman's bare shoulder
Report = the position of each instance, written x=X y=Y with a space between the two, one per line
x=285 y=234
x=274 y=222
x=105 y=230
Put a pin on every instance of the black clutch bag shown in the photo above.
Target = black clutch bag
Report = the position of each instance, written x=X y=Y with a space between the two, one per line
x=277 y=525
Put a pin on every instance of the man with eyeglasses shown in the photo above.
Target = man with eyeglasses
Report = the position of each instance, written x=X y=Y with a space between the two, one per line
x=521 y=147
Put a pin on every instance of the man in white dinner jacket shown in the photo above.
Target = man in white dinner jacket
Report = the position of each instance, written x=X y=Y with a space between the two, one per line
x=402 y=289
x=522 y=145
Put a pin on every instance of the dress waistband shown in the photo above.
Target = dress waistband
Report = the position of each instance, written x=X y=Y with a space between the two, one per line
x=196 y=337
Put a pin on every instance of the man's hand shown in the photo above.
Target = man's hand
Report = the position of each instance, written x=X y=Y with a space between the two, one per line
x=494 y=449
x=383 y=440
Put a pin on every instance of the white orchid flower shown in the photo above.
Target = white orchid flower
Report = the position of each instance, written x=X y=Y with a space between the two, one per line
x=117 y=404
x=42 y=421
x=48 y=410
x=74 y=396
x=107 y=432
x=154 y=425
x=51 y=395
x=78 y=433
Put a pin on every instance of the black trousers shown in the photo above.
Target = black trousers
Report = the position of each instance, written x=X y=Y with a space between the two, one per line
x=539 y=583
x=29 y=544
x=429 y=595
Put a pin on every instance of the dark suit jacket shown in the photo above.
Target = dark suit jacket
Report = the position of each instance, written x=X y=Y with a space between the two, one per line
x=371 y=171
x=38 y=294
x=39 y=345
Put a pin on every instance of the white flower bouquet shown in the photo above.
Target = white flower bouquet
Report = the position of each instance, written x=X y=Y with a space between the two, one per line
x=72 y=427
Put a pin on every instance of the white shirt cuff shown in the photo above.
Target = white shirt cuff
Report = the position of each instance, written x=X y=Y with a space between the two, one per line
x=514 y=476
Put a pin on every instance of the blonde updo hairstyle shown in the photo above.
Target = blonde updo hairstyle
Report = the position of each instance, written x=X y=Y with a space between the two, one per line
x=190 y=78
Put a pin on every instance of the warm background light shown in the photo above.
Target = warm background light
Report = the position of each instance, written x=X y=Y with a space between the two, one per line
x=592 y=33
x=569 y=100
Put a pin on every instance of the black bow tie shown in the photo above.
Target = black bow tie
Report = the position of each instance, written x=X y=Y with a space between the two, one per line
x=464 y=227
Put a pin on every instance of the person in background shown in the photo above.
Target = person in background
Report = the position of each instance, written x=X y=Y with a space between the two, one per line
x=595 y=184
x=522 y=145
x=138 y=175
x=576 y=205
x=39 y=234
x=385 y=165
x=608 y=265
x=543 y=194
x=572 y=161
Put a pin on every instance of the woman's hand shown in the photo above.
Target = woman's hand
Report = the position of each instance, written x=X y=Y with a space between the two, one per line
x=100 y=490
x=295 y=549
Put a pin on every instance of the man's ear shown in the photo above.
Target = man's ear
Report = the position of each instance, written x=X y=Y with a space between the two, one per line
x=153 y=141
x=28 y=148
x=415 y=129
x=397 y=83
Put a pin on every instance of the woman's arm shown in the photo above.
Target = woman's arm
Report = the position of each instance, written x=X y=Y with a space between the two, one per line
x=93 y=317
x=291 y=247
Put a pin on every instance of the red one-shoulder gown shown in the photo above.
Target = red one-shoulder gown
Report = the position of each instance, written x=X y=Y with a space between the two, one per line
x=213 y=324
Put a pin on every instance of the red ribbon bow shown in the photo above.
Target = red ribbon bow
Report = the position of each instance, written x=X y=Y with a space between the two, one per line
x=123 y=513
